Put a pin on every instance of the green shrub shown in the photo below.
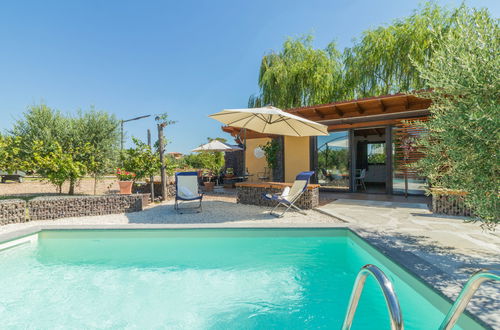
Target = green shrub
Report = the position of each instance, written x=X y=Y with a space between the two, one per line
x=463 y=140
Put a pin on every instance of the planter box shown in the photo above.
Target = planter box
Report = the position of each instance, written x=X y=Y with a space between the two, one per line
x=450 y=202
x=251 y=193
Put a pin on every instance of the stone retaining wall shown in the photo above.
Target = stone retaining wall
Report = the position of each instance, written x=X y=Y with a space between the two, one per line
x=253 y=196
x=12 y=211
x=47 y=208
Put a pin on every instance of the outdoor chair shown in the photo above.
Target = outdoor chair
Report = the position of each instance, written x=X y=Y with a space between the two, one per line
x=360 y=178
x=187 y=190
x=328 y=176
x=290 y=195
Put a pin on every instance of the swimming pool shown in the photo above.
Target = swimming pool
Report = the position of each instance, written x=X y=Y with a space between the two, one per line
x=203 y=279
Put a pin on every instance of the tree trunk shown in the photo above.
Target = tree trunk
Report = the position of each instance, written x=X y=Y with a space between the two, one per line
x=162 y=162
x=71 y=187
x=151 y=178
x=95 y=184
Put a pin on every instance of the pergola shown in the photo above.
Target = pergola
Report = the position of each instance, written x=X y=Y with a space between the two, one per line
x=364 y=112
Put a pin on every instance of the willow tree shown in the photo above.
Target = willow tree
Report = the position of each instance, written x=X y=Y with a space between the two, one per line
x=384 y=60
x=299 y=75
x=463 y=140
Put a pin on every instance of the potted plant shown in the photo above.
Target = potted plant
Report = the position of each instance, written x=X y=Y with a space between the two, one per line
x=271 y=149
x=125 y=181
x=229 y=172
x=140 y=161
x=209 y=185
x=213 y=162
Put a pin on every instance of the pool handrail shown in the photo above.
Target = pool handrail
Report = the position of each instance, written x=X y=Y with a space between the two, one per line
x=391 y=300
x=466 y=294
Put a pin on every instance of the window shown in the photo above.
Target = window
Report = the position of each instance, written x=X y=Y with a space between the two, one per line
x=333 y=160
x=376 y=153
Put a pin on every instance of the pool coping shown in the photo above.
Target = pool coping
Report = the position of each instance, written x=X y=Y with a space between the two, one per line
x=417 y=267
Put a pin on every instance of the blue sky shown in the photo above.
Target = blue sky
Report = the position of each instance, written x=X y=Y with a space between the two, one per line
x=187 y=58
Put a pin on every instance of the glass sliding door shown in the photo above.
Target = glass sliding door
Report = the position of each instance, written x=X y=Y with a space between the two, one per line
x=333 y=160
x=405 y=179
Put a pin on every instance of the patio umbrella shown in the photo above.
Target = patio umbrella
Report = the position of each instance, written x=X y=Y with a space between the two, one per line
x=270 y=120
x=216 y=145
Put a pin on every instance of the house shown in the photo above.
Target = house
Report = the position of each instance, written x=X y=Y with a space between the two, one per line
x=373 y=134
x=175 y=155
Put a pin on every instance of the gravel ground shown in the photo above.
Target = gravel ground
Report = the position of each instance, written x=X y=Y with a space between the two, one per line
x=221 y=210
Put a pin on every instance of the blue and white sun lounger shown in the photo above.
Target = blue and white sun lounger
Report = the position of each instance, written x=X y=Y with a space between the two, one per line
x=187 y=189
x=290 y=195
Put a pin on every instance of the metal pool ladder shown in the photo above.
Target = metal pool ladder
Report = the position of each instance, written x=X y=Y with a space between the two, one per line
x=391 y=300
x=395 y=315
x=466 y=294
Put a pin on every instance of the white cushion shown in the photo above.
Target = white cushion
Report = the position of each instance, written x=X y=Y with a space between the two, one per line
x=185 y=192
x=285 y=192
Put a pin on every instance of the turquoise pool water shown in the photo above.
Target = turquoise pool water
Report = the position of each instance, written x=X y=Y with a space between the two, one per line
x=202 y=279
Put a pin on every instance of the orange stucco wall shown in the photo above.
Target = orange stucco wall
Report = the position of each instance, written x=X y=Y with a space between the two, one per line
x=253 y=164
x=296 y=156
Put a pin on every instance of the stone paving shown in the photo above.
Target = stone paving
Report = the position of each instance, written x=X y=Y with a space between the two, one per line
x=444 y=251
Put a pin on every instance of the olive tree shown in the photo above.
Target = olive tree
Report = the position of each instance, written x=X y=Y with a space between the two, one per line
x=463 y=140
x=64 y=148
x=101 y=131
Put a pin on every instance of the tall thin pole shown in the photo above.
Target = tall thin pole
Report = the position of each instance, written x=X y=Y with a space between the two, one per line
x=122 y=142
x=151 y=178
x=162 y=160
x=245 y=154
x=121 y=134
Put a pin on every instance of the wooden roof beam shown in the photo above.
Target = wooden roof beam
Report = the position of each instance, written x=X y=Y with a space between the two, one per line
x=384 y=109
x=407 y=102
x=319 y=113
x=358 y=108
x=338 y=111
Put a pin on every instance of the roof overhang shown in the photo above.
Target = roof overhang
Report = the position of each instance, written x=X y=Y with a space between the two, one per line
x=337 y=115
x=362 y=108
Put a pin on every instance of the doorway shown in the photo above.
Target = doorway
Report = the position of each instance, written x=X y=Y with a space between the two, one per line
x=371 y=164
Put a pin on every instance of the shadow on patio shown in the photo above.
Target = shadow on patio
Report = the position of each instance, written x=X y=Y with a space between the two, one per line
x=446 y=268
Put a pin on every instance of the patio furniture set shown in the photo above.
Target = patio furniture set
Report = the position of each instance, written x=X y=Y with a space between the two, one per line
x=188 y=190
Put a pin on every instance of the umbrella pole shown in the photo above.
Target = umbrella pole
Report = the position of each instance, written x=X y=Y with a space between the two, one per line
x=244 y=153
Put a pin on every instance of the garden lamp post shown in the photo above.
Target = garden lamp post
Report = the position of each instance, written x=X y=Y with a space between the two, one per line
x=121 y=129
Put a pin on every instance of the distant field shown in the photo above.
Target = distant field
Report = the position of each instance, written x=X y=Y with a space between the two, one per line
x=33 y=186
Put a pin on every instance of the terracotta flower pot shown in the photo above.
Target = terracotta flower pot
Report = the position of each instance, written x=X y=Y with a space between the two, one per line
x=209 y=186
x=125 y=187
